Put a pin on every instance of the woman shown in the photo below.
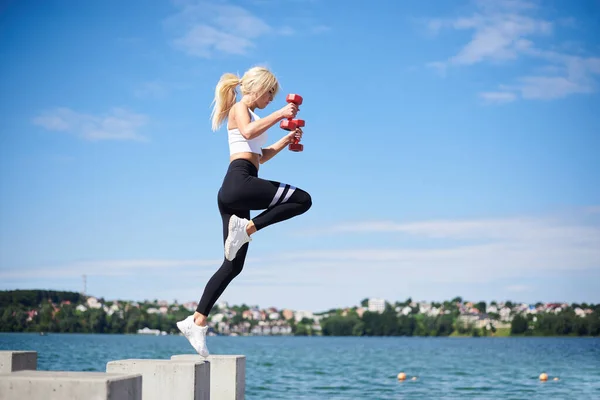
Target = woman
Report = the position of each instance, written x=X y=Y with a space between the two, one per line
x=242 y=190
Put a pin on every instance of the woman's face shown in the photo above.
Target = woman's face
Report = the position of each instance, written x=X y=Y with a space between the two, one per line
x=265 y=99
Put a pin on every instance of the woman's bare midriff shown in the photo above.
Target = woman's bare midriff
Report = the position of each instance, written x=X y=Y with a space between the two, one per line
x=252 y=157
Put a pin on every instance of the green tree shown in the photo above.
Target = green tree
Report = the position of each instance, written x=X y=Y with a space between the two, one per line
x=47 y=323
x=481 y=306
x=519 y=325
x=594 y=323
x=421 y=325
x=302 y=330
x=406 y=325
x=464 y=328
x=13 y=319
x=115 y=323
x=237 y=319
x=339 y=326
x=97 y=321
x=67 y=320
x=444 y=325
x=358 y=329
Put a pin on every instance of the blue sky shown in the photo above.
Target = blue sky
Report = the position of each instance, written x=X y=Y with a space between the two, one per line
x=451 y=148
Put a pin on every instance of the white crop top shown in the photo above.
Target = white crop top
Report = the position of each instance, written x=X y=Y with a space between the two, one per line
x=237 y=143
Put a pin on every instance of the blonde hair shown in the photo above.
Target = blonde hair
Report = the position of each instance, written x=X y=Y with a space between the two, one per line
x=257 y=81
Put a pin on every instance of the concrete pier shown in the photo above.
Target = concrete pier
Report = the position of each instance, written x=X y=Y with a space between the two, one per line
x=71 y=385
x=182 y=377
x=227 y=374
x=168 y=379
x=11 y=361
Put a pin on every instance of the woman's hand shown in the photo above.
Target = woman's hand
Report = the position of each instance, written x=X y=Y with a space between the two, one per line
x=289 y=111
x=296 y=133
x=271 y=151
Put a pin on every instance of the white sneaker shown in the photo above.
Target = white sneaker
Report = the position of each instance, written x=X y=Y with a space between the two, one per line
x=236 y=237
x=195 y=334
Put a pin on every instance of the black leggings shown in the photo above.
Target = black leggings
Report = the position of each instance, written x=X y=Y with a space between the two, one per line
x=242 y=190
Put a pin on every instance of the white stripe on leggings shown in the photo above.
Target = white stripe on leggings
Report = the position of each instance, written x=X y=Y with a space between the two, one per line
x=289 y=193
x=277 y=194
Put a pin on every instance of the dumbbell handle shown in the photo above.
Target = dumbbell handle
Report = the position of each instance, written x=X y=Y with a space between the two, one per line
x=291 y=124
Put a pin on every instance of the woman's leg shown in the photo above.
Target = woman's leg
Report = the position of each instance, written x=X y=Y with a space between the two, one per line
x=225 y=274
x=279 y=201
x=195 y=326
x=241 y=192
x=287 y=202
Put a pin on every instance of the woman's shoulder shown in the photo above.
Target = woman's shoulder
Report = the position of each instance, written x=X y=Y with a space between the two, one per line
x=238 y=107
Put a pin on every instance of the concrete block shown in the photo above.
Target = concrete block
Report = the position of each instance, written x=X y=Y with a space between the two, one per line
x=227 y=374
x=14 y=360
x=167 y=379
x=71 y=385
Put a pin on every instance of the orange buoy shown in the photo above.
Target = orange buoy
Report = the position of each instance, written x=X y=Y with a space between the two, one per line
x=401 y=376
x=556 y=378
x=543 y=376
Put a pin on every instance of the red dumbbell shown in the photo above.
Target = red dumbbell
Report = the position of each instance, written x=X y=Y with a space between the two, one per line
x=291 y=124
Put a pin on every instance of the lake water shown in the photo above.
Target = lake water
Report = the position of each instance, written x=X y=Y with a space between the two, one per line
x=357 y=367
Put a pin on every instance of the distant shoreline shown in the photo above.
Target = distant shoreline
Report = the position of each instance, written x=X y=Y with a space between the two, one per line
x=453 y=336
x=69 y=312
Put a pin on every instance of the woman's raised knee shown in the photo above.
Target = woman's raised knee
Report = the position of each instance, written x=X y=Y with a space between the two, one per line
x=305 y=200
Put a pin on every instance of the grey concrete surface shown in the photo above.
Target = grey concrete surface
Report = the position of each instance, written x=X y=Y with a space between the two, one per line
x=168 y=379
x=16 y=360
x=227 y=374
x=69 y=385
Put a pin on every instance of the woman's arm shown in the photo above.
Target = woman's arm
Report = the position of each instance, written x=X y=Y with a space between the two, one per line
x=251 y=129
x=272 y=150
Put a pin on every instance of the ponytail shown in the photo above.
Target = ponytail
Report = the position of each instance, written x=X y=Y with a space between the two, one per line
x=224 y=98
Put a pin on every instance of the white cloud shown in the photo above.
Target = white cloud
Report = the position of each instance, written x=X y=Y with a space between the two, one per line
x=550 y=87
x=118 y=124
x=518 y=288
x=152 y=89
x=157 y=89
x=201 y=40
x=505 y=31
x=498 y=97
x=320 y=29
x=500 y=32
x=106 y=268
x=287 y=31
x=490 y=248
x=523 y=228
x=592 y=210
x=512 y=5
x=568 y=75
x=456 y=252
x=204 y=28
